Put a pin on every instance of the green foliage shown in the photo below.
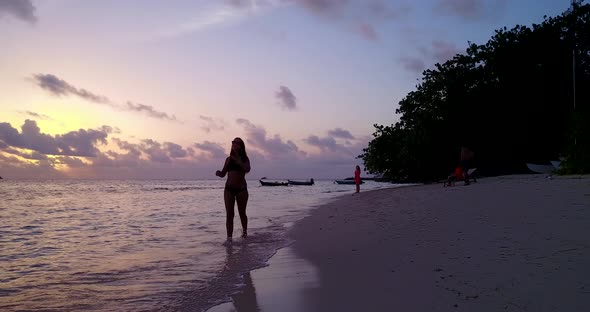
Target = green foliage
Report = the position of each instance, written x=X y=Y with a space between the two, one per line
x=578 y=152
x=510 y=100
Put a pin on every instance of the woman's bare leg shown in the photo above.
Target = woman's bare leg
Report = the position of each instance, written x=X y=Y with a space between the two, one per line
x=229 y=212
x=242 y=199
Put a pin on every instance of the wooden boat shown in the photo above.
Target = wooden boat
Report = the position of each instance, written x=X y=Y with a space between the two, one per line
x=273 y=183
x=293 y=182
x=537 y=168
x=347 y=181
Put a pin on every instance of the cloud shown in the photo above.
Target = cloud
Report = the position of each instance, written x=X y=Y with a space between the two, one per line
x=33 y=155
x=35 y=115
x=287 y=99
x=213 y=149
x=149 y=110
x=154 y=151
x=109 y=129
x=59 y=87
x=471 y=9
x=23 y=9
x=74 y=143
x=24 y=154
x=132 y=149
x=210 y=124
x=367 y=31
x=359 y=16
x=230 y=11
x=340 y=133
x=327 y=144
x=71 y=162
x=247 y=4
x=174 y=150
x=272 y=147
x=439 y=51
x=442 y=51
x=326 y=7
x=413 y=64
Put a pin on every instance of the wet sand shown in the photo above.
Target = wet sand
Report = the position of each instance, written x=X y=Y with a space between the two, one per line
x=512 y=243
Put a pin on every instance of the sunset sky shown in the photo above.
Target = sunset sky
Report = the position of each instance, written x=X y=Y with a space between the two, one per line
x=158 y=89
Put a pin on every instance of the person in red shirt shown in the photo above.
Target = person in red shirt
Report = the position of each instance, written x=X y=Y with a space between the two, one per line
x=357 y=178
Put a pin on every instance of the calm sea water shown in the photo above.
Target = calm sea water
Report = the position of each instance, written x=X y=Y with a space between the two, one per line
x=73 y=245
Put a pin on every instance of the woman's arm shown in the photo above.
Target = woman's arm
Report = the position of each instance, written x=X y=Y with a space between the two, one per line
x=223 y=171
x=246 y=165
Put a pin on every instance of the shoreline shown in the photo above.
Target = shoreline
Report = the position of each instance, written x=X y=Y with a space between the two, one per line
x=509 y=243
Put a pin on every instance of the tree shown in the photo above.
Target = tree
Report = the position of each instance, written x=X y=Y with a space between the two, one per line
x=509 y=100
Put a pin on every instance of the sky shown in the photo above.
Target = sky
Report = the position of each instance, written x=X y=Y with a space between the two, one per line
x=146 y=89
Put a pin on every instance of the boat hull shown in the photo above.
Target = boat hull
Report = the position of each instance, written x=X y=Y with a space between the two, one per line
x=269 y=183
x=291 y=182
x=537 y=168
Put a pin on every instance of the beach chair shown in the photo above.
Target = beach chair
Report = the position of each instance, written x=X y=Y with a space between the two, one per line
x=452 y=178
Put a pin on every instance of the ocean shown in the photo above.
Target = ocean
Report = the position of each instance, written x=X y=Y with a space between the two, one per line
x=154 y=245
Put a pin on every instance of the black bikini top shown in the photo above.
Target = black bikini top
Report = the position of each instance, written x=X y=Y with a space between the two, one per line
x=233 y=166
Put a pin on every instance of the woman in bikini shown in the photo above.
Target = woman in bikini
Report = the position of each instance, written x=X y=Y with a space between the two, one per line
x=236 y=190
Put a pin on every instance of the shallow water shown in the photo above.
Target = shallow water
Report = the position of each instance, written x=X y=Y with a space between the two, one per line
x=104 y=245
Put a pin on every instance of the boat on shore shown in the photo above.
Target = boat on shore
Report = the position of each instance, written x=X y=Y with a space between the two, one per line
x=295 y=182
x=541 y=168
x=273 y=183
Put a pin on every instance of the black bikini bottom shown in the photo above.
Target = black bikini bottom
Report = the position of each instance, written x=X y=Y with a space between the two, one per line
x=234 y=191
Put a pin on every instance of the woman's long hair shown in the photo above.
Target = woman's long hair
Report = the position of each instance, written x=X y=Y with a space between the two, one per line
x=242 y=153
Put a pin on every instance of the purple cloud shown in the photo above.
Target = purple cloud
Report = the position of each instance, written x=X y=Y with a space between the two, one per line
x=75 y=143
x=154 y=151
x=214 y=149
x=442 y=51
x=71 y=162
x=132 y=149
x=246 y=4
x=381 y=11
x=439 y=51
x=210 y=124
x=358 y=16
x=327 y=144
x=340 y=133
x=471 y=9
x=23 y=9
x=174 y=150
x=287 y=99
x=367 y=31
x=323 y=6
x=413 y=64
x=148 y=110
x=35 y=115
x=273 y=147
x=59 y=87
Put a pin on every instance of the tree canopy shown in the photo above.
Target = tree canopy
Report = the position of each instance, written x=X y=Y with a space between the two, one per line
x=510 y=100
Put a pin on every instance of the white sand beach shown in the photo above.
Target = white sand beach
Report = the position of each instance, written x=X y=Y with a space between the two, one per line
x=512 y=243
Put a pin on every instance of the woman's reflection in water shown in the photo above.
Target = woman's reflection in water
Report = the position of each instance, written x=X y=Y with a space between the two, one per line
x=245 y=300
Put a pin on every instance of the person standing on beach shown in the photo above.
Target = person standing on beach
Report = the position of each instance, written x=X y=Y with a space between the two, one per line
x=236 y=190
x=466 y=156
x=357 y=178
